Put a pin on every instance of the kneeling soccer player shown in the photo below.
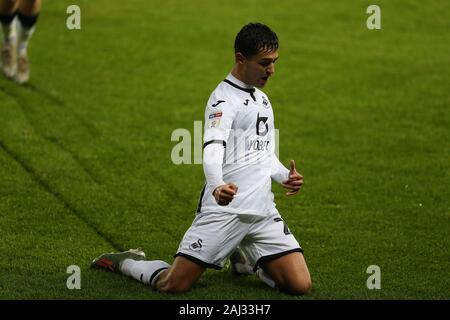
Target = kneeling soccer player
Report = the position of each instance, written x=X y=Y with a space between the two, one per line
x=236 y=217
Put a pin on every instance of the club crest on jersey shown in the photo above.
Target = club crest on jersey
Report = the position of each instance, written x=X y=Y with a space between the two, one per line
x=262 y=127
x=265 y=102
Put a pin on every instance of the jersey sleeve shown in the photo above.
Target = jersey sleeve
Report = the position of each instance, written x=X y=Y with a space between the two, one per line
x=219 y=116
x=279 y=172
x=212 y=165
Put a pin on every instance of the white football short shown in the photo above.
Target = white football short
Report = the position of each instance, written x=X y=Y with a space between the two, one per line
x=213 y=237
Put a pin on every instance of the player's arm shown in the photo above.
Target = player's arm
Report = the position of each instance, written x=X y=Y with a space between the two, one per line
x=279 y=173
x=218 y=122
x=213 y=154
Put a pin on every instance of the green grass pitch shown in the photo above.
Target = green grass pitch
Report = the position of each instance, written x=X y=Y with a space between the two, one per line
x=85 y=147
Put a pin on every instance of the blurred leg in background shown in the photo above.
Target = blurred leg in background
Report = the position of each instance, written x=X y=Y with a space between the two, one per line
x=28 y=13
x=18 y=18
x=8 y=10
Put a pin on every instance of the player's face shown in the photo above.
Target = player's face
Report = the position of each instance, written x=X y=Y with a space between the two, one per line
x=260 y=67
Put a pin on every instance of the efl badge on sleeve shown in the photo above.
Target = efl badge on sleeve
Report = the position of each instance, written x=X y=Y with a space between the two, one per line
x=214 y=119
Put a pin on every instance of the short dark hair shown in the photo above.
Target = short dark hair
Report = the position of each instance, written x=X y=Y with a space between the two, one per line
x=254 y=37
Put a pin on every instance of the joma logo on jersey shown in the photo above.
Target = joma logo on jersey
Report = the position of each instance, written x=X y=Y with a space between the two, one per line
x=217 y=103
x=261 y=126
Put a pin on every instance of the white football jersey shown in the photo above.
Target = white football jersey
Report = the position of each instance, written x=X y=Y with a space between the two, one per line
x=240 y=117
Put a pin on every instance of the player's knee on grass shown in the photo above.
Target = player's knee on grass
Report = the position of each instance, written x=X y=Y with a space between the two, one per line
x=294 y=283
x=180 y=277
x=299 y=286
x=290 y=274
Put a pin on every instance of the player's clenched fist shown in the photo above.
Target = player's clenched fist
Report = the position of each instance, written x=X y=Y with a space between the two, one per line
x=224 y=194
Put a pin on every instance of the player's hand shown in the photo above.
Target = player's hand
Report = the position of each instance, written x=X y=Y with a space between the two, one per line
x=224 y=194
x=294 y=182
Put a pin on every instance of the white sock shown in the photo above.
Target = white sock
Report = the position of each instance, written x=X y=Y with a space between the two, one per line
x=264 y=277
x=244 y=268
x=144 y=271
x=9 y=31
x=24 y=36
